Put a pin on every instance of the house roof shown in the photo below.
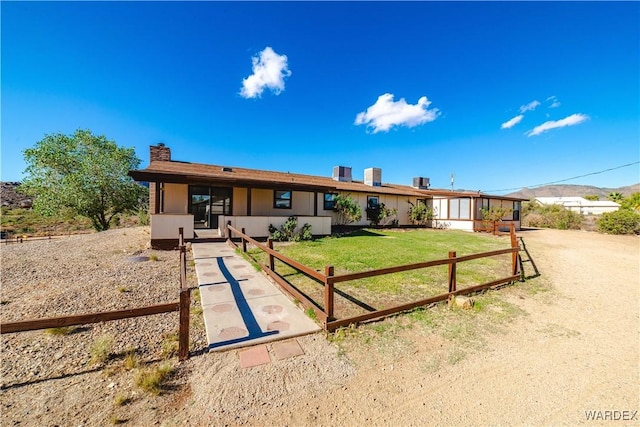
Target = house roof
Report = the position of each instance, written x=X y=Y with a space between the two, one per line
x=576 y=201
x=196 y=173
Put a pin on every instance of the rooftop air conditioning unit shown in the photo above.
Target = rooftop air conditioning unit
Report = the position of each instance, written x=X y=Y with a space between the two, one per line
x=373 y=177
x=341 y=173
x=421 y=183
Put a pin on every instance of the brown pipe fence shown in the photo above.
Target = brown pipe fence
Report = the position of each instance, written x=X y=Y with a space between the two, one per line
x=183 y=306
x=328 y=279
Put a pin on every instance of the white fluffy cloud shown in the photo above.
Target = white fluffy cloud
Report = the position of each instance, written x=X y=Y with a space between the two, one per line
x=571 y=120
x=511 y=123
x=530 y=106
x=269 y=72
x=387 y=113
x=554 y=103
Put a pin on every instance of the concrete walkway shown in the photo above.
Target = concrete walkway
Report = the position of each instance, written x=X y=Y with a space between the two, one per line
x=241 y=307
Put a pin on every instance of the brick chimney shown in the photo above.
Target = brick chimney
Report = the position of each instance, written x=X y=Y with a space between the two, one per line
x=159 y=153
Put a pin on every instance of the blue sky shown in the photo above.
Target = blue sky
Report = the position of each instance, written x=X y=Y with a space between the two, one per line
x=502 y=95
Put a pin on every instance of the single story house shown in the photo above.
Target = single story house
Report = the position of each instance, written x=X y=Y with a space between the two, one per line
x=581 y=205
x=203 y=198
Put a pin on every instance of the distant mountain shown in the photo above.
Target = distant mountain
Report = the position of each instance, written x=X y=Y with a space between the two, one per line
x=573 y=190
x=11 y=198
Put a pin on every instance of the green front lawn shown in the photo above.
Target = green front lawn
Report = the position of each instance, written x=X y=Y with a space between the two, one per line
x=371 y=249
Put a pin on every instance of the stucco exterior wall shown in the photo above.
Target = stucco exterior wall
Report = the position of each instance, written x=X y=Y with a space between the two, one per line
x=258 y=226
x=239 y=202
x=165 y=226
x=262 y=203
x=176 y=198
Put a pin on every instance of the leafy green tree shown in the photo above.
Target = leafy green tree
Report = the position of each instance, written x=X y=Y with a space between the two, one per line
x=631 y=202
x=615 y=197
x=84 y=173
x=347 y=209
x=592 y=197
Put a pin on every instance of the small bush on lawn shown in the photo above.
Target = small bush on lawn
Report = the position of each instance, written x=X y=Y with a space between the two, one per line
x=288 y=233
x=622 y=221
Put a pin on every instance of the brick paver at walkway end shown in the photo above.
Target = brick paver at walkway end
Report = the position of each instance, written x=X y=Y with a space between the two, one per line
x=241 y=306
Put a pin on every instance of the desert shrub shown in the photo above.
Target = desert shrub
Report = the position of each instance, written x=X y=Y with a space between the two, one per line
x=421 y=214
x=288 y=232
x=532 y=219
x=381 y=215
x=170 y=344
x=305 y=232
x=623 y=221
x=101 y=349
x=152 y=380
x=348 y=210
x=495 y=213
x=552 y=216
x=143 y=215
x=61 y=330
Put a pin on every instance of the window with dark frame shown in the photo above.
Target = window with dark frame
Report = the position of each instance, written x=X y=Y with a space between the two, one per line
x=330 y=201
x=516 y=211
x=372 y=203
x=481 y=204
x=282 y=199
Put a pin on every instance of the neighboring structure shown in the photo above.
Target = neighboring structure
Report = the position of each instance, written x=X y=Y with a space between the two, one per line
x=206 y=197
x=581 y=205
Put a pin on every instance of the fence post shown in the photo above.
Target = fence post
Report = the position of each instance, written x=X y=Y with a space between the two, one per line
x=514 y=244
x=452 y=272
x=244 y=242
x=185 y=306
x=272 y=264
x=328 y=292
x=183 y=258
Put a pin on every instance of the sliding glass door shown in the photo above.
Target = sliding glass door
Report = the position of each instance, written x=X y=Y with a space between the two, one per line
x=207 y=204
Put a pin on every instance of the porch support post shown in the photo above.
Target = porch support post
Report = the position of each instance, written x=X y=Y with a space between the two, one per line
x=156 y=202
x=315 y=203
x=248 y=201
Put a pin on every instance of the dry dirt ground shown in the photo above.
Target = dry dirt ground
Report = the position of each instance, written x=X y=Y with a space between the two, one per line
x=555 y=350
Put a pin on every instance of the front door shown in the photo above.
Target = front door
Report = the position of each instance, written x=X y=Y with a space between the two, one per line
x=207 y=204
